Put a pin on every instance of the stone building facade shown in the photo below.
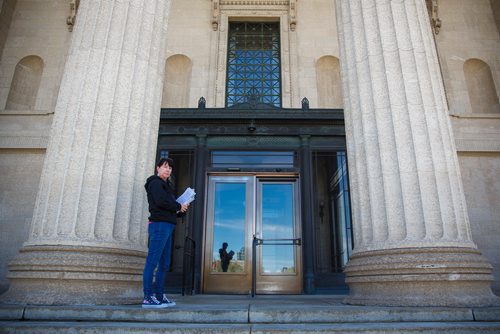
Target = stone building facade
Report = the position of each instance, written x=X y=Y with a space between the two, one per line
x=82 y=84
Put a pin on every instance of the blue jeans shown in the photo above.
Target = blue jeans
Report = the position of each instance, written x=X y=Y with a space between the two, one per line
x=159 y=253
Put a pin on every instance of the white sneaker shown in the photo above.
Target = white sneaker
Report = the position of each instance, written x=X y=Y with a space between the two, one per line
x=152 y=302
x=166 y=302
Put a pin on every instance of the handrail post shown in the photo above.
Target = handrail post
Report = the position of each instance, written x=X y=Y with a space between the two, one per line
x=184 y=268
x=254 y=264
x=185 y=262
x=192 y=267
x=256 y=241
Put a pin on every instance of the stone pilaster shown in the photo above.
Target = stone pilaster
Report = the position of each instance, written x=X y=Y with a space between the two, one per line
x=412 y=237
x=88 y=237
x=307 y=215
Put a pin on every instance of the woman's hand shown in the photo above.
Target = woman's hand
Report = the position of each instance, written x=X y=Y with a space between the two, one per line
x=184 y=207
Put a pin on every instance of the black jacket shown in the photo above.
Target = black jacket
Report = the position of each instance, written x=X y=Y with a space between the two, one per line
x=162 y=203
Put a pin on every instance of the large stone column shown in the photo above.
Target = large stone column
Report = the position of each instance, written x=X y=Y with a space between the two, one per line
x=412 y=240
x=87 y=242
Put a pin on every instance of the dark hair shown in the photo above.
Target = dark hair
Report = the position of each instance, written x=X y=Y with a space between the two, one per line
x=163 y=161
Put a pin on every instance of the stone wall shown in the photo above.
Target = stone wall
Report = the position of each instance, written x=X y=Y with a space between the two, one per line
x=6 y=10
x=468 y=32
x=495 y=5
x=313 y=42
x=189 y=34
x=20 y=172
x=37 y=28
x=480 y=175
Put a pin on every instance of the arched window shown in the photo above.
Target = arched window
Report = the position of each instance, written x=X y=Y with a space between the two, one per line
x=25 y=84
x=481 y=87
x=328 y=82
x=177 y=82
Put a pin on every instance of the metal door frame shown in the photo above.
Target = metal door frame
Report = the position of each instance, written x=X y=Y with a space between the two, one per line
x=241 y=283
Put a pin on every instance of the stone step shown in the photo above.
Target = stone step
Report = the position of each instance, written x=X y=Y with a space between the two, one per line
x=41 y=327
x=243 y=314
x=249 y=313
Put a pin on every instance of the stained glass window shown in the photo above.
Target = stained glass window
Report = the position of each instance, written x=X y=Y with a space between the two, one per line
x=253 y=65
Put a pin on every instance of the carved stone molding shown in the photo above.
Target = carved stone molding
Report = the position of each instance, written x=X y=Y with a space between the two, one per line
x=215 y=14
x=292 y=14
x=253 y=7
x=432 y=7
x=73 y=9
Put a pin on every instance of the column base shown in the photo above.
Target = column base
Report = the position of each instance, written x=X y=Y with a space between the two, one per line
x=457 y=277
x=76 y=275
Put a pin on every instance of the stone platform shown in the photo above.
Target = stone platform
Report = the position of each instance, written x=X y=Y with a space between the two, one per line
x=243 y=314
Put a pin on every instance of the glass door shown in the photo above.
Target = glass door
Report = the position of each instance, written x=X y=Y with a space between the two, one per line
x=239 y=208
x=278 y=262
x=229 y=218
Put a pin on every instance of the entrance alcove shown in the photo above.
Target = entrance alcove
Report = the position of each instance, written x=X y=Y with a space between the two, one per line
x=260 y=147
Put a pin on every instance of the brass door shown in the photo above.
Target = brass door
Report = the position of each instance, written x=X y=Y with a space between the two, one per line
x=239 y=208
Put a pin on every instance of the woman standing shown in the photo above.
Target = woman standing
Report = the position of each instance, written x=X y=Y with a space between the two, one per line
x=163 y=210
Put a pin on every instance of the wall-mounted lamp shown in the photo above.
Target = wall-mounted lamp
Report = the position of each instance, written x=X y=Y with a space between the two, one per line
x=321 y=210
x=305 y=103
x=251 y=127
x=202 y=103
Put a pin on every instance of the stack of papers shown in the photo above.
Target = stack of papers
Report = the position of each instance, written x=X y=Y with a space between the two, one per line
x=187 y=197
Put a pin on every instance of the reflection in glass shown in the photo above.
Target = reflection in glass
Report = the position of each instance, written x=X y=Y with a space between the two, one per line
x=333 y=223
x=342 y=208
x=229 y=227
x=225 y=257
x=277 y=223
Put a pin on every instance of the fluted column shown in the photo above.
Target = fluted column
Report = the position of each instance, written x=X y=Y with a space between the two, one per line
x=88 y=237
x=412 y=237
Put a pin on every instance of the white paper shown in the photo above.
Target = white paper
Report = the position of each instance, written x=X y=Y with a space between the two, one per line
x=187 y=197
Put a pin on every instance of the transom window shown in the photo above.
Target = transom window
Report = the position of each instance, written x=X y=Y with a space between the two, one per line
x=253 y=159
x=253 y=66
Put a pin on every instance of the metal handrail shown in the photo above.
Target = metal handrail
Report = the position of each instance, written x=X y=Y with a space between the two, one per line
x=191 y=255
x=257 y=242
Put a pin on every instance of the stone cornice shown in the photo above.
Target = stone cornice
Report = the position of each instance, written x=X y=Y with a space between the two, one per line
x=477 y=145
x=281 y=114
x=8 y=112
x=28 y=141
x=476 y=115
